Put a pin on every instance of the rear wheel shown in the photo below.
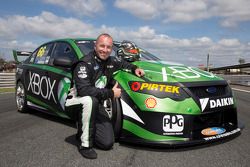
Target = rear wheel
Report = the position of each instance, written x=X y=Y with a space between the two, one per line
x=21 y=101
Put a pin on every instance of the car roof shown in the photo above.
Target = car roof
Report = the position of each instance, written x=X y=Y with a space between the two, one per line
x=73 y=39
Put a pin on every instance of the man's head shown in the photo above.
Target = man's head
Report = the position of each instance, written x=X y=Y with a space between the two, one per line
x=128 y=51
x=103 y=46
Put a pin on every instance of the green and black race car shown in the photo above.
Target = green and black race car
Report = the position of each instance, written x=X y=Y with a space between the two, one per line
x=171 y=105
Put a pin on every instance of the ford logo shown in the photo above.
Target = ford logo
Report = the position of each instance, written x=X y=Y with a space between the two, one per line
x=211 y=90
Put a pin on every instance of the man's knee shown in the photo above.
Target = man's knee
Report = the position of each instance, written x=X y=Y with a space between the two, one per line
x=105 y=144
x=104 y=137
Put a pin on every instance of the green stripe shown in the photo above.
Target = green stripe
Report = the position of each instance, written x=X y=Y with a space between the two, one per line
x=42 y=104
x=65 y=89
x=145 y=134
x=52 y=69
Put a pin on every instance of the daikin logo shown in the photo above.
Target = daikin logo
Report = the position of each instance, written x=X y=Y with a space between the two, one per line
x=204 y=103
x=216 y=103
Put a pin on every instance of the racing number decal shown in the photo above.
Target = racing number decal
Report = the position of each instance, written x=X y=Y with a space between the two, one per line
x=41 y=51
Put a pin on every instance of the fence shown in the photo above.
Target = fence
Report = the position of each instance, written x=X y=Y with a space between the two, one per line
x=237 y=79
x=7 y=80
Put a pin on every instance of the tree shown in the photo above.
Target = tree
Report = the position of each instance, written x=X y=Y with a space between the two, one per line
x=241 y=61
x=2 y=61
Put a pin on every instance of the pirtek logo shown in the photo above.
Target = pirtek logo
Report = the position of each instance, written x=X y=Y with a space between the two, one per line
x=216 y=103
x=136 y=86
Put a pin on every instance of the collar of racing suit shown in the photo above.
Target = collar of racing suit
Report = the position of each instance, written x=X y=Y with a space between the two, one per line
x=97 y=58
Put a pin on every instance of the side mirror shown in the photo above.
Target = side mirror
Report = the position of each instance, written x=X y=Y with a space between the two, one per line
x=63 y=62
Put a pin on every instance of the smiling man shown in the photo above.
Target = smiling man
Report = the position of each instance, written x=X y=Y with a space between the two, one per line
x=91 y=76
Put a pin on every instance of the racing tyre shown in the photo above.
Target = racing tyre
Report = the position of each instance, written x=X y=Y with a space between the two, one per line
x=117 y=117
x=21 y=101
x=113 y=108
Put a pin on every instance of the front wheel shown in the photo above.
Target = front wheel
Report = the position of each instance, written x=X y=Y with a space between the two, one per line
x=21 y=101
x=113 y=108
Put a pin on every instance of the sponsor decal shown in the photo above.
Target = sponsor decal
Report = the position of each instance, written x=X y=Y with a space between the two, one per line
x=63 y=89
x=189 y=72
x=222 y=135
x=135 y=86
x=144 y=86
x=184 y=73
x=96 y=67
x=211 y=90
x=101 y=82
x=150 y=102
x=110 y=66
x=38 y=82
x=212 y=131
x=82 y=73
x=215 y=103
x=41 y=51
x=173 y=124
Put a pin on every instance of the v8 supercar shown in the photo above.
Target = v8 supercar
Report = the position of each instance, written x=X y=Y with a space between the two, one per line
x=171 y=105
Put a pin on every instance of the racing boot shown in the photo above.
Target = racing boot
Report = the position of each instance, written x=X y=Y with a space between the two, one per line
x=88 y=152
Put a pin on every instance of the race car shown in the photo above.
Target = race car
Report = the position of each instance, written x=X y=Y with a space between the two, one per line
x=172 y=105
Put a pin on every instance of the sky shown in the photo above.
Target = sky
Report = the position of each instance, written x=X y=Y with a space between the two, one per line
x=182 y=31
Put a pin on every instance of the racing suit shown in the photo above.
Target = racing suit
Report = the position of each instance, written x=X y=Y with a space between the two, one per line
x=91 y=76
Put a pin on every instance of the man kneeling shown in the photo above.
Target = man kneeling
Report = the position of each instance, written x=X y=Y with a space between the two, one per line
x=91 y=76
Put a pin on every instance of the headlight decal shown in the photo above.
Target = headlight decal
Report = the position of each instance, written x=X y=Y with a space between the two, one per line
x=128 y=111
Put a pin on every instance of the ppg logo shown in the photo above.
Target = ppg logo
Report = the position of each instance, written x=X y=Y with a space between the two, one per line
x=173 y=123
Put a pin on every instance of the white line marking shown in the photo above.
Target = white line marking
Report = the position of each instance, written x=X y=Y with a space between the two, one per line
x=164 y=74
x=2 y=93
x=247 y=91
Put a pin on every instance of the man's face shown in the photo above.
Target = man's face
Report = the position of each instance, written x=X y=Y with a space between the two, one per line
x=103 y=47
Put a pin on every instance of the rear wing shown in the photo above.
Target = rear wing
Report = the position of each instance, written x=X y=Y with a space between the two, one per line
x=17 y=54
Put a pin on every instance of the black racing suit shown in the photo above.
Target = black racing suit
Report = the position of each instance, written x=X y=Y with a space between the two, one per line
x=91 y=76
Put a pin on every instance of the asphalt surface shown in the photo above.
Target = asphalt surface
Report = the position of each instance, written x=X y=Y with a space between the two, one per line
x=42 y=140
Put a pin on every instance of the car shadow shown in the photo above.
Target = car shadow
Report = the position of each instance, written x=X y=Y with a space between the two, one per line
x=72 y=140
x=51 y=117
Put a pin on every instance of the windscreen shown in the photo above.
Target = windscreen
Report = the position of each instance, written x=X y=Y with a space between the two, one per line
x=87 y=46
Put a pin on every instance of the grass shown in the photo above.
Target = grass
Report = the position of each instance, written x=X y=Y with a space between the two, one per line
x=4 y=90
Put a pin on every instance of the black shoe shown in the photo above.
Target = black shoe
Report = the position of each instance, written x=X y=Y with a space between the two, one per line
x=88 y=152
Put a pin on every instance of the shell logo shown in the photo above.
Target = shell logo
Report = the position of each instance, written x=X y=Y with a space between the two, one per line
x=150 y=102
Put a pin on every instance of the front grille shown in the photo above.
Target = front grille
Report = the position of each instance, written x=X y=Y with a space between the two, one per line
x=215 y=119
x=201 y=92
x=208 y=120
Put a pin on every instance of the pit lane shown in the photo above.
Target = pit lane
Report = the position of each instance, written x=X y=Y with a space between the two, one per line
x=38 y=139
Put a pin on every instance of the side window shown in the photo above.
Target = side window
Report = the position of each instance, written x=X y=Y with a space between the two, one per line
x=43 y=54
x=32 y=57
x=86 y=46
x=63 y=49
